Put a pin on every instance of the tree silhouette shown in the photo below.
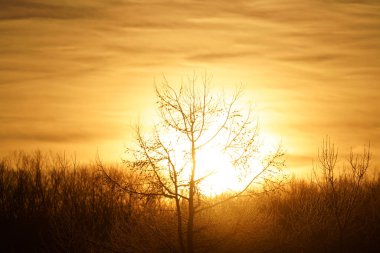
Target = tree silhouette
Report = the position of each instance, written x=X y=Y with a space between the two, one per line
x=342 y=188
x=193 y=119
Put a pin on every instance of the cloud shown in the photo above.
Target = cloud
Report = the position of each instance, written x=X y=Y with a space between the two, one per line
x=43 y=136
x=54 y=130
x=314 y=62
x=27 y=9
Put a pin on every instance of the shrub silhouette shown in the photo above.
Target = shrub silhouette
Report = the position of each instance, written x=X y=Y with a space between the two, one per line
x=49 y=203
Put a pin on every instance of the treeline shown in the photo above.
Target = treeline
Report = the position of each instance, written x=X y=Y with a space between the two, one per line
x=49 y=203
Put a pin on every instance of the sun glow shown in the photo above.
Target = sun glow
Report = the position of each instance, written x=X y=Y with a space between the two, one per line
x=220 y=174
x=215 y=170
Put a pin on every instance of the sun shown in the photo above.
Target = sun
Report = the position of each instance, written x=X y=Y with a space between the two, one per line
x=220 y=176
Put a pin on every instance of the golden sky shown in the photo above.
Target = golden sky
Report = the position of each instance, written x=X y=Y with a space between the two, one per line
x=75 y=75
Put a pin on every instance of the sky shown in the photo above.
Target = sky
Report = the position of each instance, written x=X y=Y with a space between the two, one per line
x=75 y=76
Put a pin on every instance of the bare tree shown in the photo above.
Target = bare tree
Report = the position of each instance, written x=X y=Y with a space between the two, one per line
x=191 y=120
x=342 y=188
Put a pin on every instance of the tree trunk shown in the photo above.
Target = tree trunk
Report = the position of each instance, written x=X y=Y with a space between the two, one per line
x=179 y=224
x=190 y=222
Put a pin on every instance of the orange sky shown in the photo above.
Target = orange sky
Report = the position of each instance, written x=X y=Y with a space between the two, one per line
x=75 y=75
